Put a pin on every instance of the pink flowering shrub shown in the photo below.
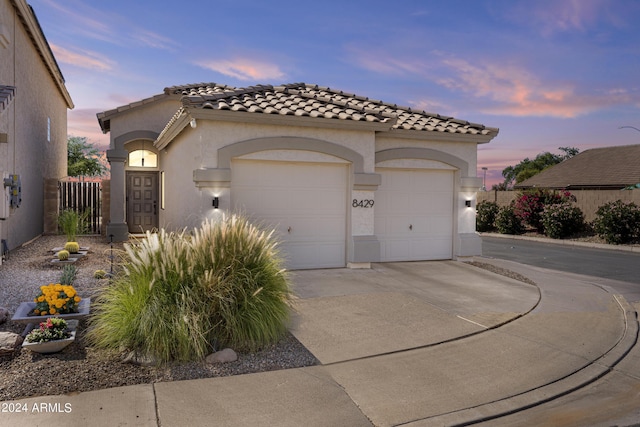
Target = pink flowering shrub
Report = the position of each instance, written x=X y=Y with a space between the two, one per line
x=529 y=205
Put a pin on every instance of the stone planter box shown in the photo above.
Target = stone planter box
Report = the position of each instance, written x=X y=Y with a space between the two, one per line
x=49 y=346
x=22 y=313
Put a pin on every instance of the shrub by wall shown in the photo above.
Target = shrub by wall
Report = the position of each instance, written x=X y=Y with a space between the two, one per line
x=562 y=220
x=507 y=222
x=618 y=222
x=530 y=203
x=486 y=213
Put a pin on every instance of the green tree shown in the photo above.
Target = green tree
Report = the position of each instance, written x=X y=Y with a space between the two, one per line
x=83 y=158
x=528 y=168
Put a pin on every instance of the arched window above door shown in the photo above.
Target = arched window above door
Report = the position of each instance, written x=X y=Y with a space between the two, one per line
x=143 y=159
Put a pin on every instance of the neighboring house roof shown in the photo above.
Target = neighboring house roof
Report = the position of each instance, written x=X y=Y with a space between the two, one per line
x=304 y=101
x=605 y=168
x=6 y=96
x=32 y=26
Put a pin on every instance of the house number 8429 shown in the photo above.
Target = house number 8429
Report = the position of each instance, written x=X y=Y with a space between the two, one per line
x=366 y=203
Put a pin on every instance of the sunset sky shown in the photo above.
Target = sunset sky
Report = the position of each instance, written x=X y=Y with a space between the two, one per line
x=548 y=73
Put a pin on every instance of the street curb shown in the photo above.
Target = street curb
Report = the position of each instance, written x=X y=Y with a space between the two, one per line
x=576 y=380
x=563 y=242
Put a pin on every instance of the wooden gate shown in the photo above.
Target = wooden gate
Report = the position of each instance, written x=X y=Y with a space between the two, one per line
x=84 y=198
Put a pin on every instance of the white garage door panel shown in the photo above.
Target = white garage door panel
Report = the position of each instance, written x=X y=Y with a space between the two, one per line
x=414 y=214
x=305 y=202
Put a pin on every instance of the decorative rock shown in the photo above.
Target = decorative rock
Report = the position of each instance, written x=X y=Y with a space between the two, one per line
x=223 y=356
x=9 y=342
x=4 y=315
x=139 y=359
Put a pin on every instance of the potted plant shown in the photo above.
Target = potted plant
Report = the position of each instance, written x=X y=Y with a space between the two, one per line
x=56 y=299
x=52 y=336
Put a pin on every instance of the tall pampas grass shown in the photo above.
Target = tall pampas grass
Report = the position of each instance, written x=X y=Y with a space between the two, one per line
x=181 y=293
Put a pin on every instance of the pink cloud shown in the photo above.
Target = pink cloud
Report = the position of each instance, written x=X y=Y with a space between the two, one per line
x=244 y=69
x=515 y=91
x=83 y=122
x=82 y=58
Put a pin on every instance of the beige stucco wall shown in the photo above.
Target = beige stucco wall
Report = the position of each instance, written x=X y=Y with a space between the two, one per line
x=198 y=148
x=149 y=117
x=29 y=152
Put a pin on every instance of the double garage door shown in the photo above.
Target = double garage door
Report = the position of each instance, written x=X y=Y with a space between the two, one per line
x=307 y=204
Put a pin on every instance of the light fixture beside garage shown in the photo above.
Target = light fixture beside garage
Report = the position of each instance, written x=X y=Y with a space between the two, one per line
x=215 y=203
x=467 y=203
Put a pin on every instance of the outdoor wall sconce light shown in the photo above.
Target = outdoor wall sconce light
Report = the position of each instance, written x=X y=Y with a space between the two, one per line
x=216 y=203
x=193 y=123
x=467 y=203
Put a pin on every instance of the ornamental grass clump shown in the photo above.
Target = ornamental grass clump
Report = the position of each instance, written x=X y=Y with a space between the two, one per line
x=182 y=293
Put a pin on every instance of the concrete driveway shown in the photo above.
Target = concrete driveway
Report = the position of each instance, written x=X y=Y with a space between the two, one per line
x=347 y=314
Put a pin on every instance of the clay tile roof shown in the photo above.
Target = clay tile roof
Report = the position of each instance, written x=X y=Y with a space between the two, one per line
x=610 y=167
x=302 y=99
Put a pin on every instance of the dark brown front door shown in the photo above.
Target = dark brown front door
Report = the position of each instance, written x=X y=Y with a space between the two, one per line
x=142 y=201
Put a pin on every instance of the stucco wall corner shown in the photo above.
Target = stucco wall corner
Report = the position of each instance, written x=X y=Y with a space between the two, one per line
x=469 y=244
x=220 y=177
x=470 y=183
x=364 y=249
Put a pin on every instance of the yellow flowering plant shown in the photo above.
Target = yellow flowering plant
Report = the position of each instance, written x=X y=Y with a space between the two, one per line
x=55 y=298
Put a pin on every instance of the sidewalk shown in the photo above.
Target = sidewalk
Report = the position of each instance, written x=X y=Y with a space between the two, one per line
x=420 y=344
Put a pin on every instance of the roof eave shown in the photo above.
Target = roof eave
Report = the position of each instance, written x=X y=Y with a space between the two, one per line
x=440 y=136
x=178 y=124
x=104 y=117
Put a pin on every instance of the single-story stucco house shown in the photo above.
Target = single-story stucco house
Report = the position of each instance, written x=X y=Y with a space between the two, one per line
x=346 y=180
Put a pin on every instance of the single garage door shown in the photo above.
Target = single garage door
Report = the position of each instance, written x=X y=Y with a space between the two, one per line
x=414 y=214
x=305 y=202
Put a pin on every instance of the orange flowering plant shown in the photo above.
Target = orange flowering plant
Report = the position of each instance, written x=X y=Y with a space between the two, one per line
x=55 y=298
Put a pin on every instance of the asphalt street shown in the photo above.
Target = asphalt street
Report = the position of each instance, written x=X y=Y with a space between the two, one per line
x=621 y=268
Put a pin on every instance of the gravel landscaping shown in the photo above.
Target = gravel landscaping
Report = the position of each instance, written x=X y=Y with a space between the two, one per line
x=81 y=368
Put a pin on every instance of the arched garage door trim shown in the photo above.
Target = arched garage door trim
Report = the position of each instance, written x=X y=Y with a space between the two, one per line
x=422 y=153
x=225 y=154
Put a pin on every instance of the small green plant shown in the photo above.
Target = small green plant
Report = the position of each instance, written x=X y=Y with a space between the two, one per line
x=486 y=213
x=181 y=292
x=618 y=222
x=507 y=222
x=69 y=273
x=99 y=274
x=562 y=220
x=63 y=255
x=72 y=247
x=73 y=223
